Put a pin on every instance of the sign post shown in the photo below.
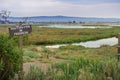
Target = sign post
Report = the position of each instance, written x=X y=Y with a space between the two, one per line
x=20 y=31
x=21 y=57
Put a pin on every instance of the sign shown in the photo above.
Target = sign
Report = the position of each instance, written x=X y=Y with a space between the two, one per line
x=20 y=30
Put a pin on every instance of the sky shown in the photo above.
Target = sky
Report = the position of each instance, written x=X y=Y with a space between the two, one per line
x=77 y=8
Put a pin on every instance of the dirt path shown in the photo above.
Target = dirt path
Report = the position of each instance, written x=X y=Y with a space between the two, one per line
x=44 y=66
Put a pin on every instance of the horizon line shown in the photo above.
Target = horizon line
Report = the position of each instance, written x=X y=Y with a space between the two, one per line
x=64 y=16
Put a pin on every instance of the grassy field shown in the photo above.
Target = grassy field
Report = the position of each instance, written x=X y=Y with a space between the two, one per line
x=44 y=36
x=77 y=63
x=70 y=62
x=32 y=53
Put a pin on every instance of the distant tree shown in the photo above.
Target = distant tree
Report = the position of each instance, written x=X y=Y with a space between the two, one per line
x=74 y=21
x=4 y=14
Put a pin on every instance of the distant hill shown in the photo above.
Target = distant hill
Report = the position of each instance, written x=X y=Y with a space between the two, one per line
x=62 y=19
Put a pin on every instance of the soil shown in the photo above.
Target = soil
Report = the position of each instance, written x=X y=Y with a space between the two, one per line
x=44 y=66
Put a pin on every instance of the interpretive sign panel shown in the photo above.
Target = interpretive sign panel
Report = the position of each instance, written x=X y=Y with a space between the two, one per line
x=21 y=30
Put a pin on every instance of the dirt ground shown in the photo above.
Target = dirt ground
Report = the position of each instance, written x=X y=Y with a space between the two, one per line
x=44 y=66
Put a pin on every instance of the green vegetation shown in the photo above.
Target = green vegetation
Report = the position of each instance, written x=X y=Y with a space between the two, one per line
x=79 y=63
x=72 y=47
x=35 y=74
x=66 y=63
x=79 y=69
x=9 y=58
x=68 y=52
x=44 y=36
x=31 y=54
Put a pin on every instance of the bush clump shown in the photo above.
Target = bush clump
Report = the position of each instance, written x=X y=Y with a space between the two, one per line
x=9 y=58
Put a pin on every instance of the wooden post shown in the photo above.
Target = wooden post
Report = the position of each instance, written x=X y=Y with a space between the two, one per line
x=118 y=36
x=21 y=57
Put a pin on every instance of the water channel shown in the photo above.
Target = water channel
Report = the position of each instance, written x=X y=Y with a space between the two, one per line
x=91 y=44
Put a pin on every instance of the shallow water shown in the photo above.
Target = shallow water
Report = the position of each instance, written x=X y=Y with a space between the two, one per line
x=91 y=44
x=74 y=26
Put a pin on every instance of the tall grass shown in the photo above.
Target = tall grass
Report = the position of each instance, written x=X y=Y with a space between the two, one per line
x=81 y=69
x=35 y=74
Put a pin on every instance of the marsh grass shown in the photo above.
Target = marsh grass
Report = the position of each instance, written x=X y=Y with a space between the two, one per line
x=72 y=47
x=79 y=69
x=67 y=52
x=82 y=64
x=44 y=36
x=31 y=54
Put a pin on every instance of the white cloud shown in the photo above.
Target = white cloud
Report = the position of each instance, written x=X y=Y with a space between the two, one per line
x=53 y=7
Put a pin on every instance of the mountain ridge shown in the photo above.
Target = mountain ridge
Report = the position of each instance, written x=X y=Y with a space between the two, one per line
x=60 y=18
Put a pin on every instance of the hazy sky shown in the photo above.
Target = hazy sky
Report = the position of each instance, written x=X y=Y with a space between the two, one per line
x=80 y=8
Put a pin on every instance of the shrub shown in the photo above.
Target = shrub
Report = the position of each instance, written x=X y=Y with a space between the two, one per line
x=9 y=58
